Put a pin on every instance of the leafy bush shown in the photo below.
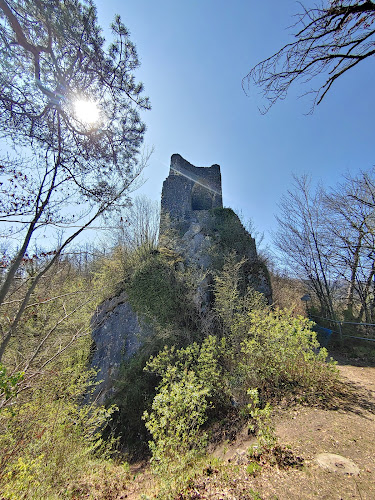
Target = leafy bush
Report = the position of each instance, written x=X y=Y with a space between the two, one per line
x=232 y=299
x=205 y=360
x=280 y=353
x=261 y=421
x=162 y=295
x=153 y=290
x=272 y=352
x=232 y=234
x=178 y=413
x=110 y=272
x=8 y=384
x=134 y=393
x=227 y=294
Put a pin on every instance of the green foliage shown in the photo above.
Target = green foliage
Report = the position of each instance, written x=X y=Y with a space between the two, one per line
x=50 y=439
x=229 y=301
x=254 y=494
x=252 y=468
x=273 y=352
x=279 y=352
x=58 y=314
x=254 y=300
x=178 y=413
x=205 y=360
x=163 y=296
x=230 y=304
x=232 y=234
x=153 y=290
x=134 y=393
x=8 y=383
x=109 y=272
x=269 y=350
x=261 y=421
x=227 y=295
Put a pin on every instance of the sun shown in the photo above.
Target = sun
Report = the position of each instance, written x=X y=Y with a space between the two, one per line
x=86 y=111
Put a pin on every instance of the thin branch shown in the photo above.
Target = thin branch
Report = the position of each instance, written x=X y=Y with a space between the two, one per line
x=326 y=37
x=49 y=333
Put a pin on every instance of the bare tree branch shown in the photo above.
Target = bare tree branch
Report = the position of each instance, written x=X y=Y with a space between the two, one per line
x=330 y=39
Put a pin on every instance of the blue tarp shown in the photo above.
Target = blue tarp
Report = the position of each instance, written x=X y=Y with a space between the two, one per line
x=323 y=335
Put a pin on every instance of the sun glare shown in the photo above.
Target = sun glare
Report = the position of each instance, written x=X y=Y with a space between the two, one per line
x=86 y=111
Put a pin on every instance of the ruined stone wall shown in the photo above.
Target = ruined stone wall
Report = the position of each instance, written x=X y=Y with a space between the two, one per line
x=188 y=188
x=195 y=225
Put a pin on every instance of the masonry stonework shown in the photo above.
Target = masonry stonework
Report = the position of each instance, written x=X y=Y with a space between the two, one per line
x=188 y=189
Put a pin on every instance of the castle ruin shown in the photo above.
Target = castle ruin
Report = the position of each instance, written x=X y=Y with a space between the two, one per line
x=200 y=233
x=188 y=189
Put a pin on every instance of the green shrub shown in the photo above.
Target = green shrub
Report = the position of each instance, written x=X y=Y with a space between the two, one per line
x=232 y=234
x=153 y=290
x=232 y=300
x=48 y=438
x=163 y=296
x=227 y=294
x=8 y=384
x=261 y=422
x=279 y=353
x=205 y=360
x=178 y=413
x=134 y=393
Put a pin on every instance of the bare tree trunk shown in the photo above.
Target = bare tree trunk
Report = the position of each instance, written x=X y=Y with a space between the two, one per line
x=37 y=278
x=353 y=278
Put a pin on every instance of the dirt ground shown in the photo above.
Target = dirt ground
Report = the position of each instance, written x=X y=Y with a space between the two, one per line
x=346 y=428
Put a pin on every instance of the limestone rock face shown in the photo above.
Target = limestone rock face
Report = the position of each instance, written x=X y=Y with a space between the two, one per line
x=195 y=243
x=116 y=335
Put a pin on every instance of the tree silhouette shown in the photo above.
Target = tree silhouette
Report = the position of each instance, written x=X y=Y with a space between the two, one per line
x=330 y=39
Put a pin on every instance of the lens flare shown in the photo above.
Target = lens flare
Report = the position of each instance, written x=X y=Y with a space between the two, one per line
x=86 y=111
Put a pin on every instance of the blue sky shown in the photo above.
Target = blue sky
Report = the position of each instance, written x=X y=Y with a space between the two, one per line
x=194 y=54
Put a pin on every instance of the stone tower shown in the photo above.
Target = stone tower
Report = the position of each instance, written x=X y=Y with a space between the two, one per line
x=188 y=189
x=194 y=224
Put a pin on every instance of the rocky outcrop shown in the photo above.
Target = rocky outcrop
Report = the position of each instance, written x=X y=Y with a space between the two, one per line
x=195 y=227
x=117 y=334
